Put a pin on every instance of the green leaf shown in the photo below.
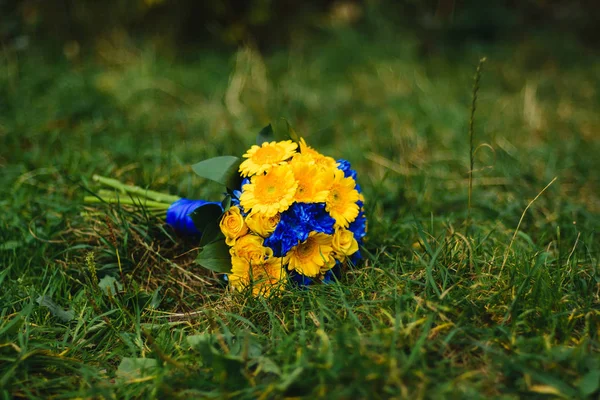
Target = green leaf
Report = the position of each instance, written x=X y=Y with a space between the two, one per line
x=10 y=245
x=156 y=299
x=556 y=385
x=265 y=135
x=202 y=343
x=291 y=132
x=215 y=257
x=109 y=285
x=226 y=203
x=206 y=215
x=56 y=310
x=135 y=368
x=3 y=275
x=206 y=219
x=13 y=325
x=287 y=380
x=223 y=170
x=590 y=382
x=268 y=366
x=210 y=235
x=226 y=365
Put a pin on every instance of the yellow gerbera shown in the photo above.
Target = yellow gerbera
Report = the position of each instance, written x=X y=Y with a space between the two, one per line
x=311 y=185
x=341 y=202
x=313 y=256
x=319 y=159
x=270 y=193
x=261 y=158
x=263 y=277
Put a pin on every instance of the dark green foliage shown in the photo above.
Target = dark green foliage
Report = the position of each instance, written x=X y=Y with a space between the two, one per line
x=265 y=135
x=206 y=220
x=77 y=24
x=228 y=22
x=222 y=169
x=215 y=257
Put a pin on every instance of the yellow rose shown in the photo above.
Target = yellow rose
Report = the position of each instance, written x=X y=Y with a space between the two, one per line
x=343 y=244
x=233 y=225
x=250 y=247
x=261 y=224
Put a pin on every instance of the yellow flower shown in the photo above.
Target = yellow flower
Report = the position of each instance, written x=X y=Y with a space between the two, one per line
x=341 y=202
x=250 y=247
x=261 y=224
x=271 y=193
x=232 y=225
x=323 y=162
x=311 y=185
x=343 y=244
x=261 y=158
x=264 y=277
x=311 y=257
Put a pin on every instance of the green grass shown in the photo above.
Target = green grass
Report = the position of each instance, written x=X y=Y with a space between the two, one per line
x=434 y=312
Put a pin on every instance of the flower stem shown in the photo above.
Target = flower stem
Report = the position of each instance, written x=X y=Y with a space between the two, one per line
x=136 y=190
x=128 y=201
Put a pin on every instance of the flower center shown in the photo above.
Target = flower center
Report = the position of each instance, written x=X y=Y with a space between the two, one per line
x=269 y=191
x=268 y=155
x=335 y=195
x=305 y=249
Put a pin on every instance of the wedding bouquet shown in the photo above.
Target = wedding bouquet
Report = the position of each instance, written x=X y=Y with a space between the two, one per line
x=289 y=213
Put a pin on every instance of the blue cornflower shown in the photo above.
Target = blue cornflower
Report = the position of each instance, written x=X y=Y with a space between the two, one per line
x=344 y=165
x=235 y=198
x=356 y=257
x=300 y=279
x=359 y=227
x=295 y=225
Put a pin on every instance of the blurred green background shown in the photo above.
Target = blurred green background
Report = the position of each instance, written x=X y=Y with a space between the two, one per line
x=268 y=23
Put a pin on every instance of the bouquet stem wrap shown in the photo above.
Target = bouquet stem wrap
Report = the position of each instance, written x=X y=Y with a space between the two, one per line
x=179 y=215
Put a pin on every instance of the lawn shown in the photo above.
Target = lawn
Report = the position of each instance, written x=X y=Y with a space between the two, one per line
x=497 y=299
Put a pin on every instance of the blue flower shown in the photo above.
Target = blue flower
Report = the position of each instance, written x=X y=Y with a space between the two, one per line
x=355 y=258
x=300 y=279
x=329 y=277
x=359 y=227
x=235 y=198
x=344 y=165
x=295 y=225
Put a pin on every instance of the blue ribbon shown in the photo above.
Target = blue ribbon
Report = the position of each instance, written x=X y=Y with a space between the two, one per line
x=178 y=215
